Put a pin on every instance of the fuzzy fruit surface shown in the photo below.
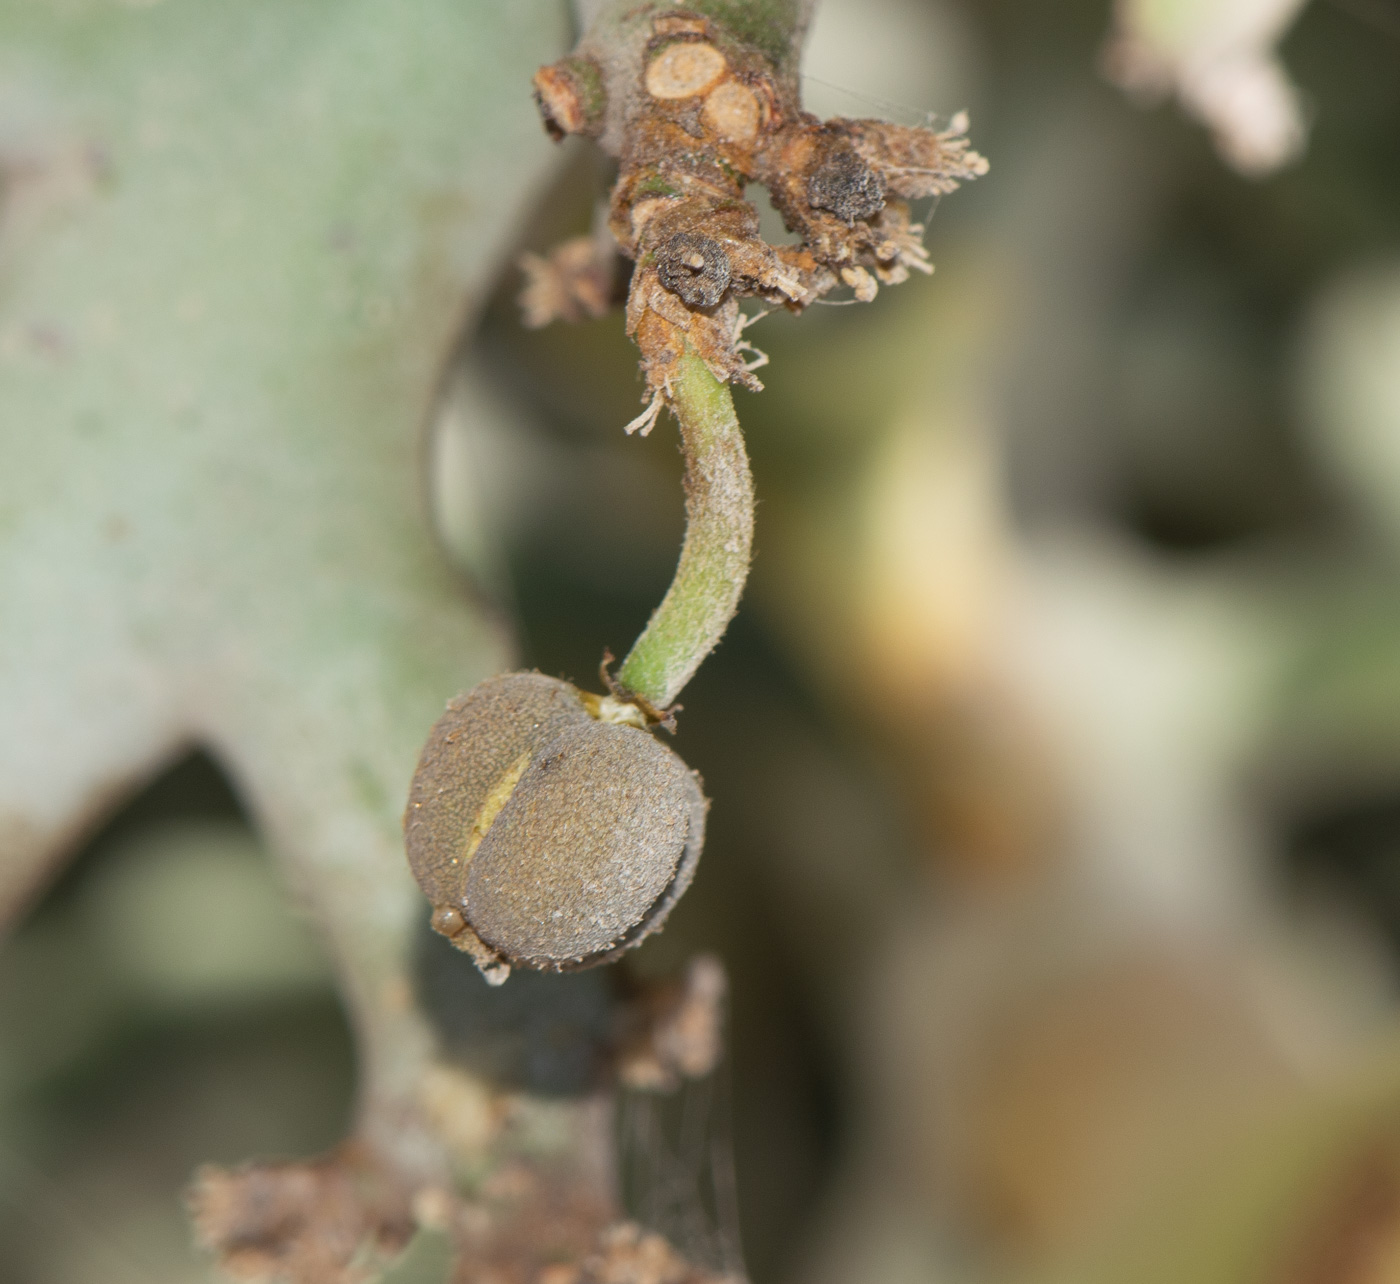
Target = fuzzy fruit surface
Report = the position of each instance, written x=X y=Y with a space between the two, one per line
x=543 y=836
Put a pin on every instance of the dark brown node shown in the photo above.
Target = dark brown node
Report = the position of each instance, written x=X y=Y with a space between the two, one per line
x=844 y=185
x=695 y=268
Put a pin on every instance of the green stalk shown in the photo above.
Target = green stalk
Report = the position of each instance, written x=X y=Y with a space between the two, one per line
x=714 y=561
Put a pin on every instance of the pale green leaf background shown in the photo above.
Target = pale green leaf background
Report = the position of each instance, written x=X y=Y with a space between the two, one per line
x=239 y=244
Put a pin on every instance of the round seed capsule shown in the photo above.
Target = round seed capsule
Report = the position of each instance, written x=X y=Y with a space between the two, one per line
x=470 y=749
x=544 y=837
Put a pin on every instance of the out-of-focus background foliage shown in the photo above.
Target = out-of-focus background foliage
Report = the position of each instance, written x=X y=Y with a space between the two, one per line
x=1055 y=752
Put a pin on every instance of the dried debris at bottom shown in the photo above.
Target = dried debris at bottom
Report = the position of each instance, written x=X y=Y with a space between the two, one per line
x=627 y=1254
x=330 y=1220
x=530 y=1193
x=335 y=1221
x=675 y=1032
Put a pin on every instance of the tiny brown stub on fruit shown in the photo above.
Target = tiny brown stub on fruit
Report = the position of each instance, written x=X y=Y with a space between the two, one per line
x=543 y=836
x=448 y=921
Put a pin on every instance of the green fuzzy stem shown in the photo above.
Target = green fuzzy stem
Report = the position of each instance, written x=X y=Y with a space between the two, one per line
x=714 y=561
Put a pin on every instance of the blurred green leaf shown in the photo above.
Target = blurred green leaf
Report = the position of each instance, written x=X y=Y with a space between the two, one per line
x=238 y=245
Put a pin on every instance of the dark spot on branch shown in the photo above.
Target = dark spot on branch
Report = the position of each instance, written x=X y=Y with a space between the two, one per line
x=847 y=187
x=695 y=268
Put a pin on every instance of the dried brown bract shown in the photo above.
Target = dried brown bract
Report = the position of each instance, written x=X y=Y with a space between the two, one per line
x=572 y=282
x=323 y=1221
x=694 y=113
x=547 y=828
x=676 y=1031
x=627 y=1254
